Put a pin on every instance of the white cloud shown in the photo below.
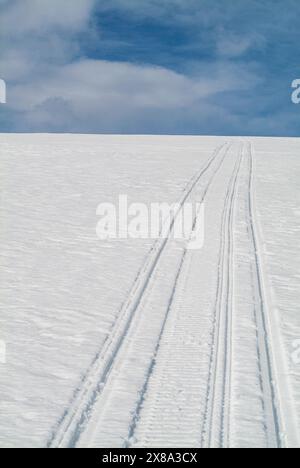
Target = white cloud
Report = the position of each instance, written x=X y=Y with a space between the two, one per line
x=19 y=17
x=52 y=88
x=88 y=81
x=38 y=35
x=100 y=96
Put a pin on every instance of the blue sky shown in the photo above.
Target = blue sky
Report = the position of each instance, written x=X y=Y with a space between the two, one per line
x=150 y=66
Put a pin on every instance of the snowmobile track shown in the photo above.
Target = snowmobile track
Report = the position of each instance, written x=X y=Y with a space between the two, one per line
x=77 y=415
x=267 y=374
x=215 y=431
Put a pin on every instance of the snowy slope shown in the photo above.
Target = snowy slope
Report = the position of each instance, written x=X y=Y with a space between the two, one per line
x=133 y=343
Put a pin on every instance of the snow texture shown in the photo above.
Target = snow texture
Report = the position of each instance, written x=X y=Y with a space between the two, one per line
x=142 y=343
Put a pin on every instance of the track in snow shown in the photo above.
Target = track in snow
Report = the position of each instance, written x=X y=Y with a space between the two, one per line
x=217 y=414
x=77 y=416
x=143 y=393
x=269 y=387
x=216 y=430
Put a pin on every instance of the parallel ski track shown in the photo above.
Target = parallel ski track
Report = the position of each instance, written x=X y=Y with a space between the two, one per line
x=143 y=393
x=217 y=420
x=77 y=415
x=268 y=383
x=216 y=426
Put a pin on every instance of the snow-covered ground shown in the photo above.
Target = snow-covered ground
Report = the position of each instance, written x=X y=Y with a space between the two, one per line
x=127 y=343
